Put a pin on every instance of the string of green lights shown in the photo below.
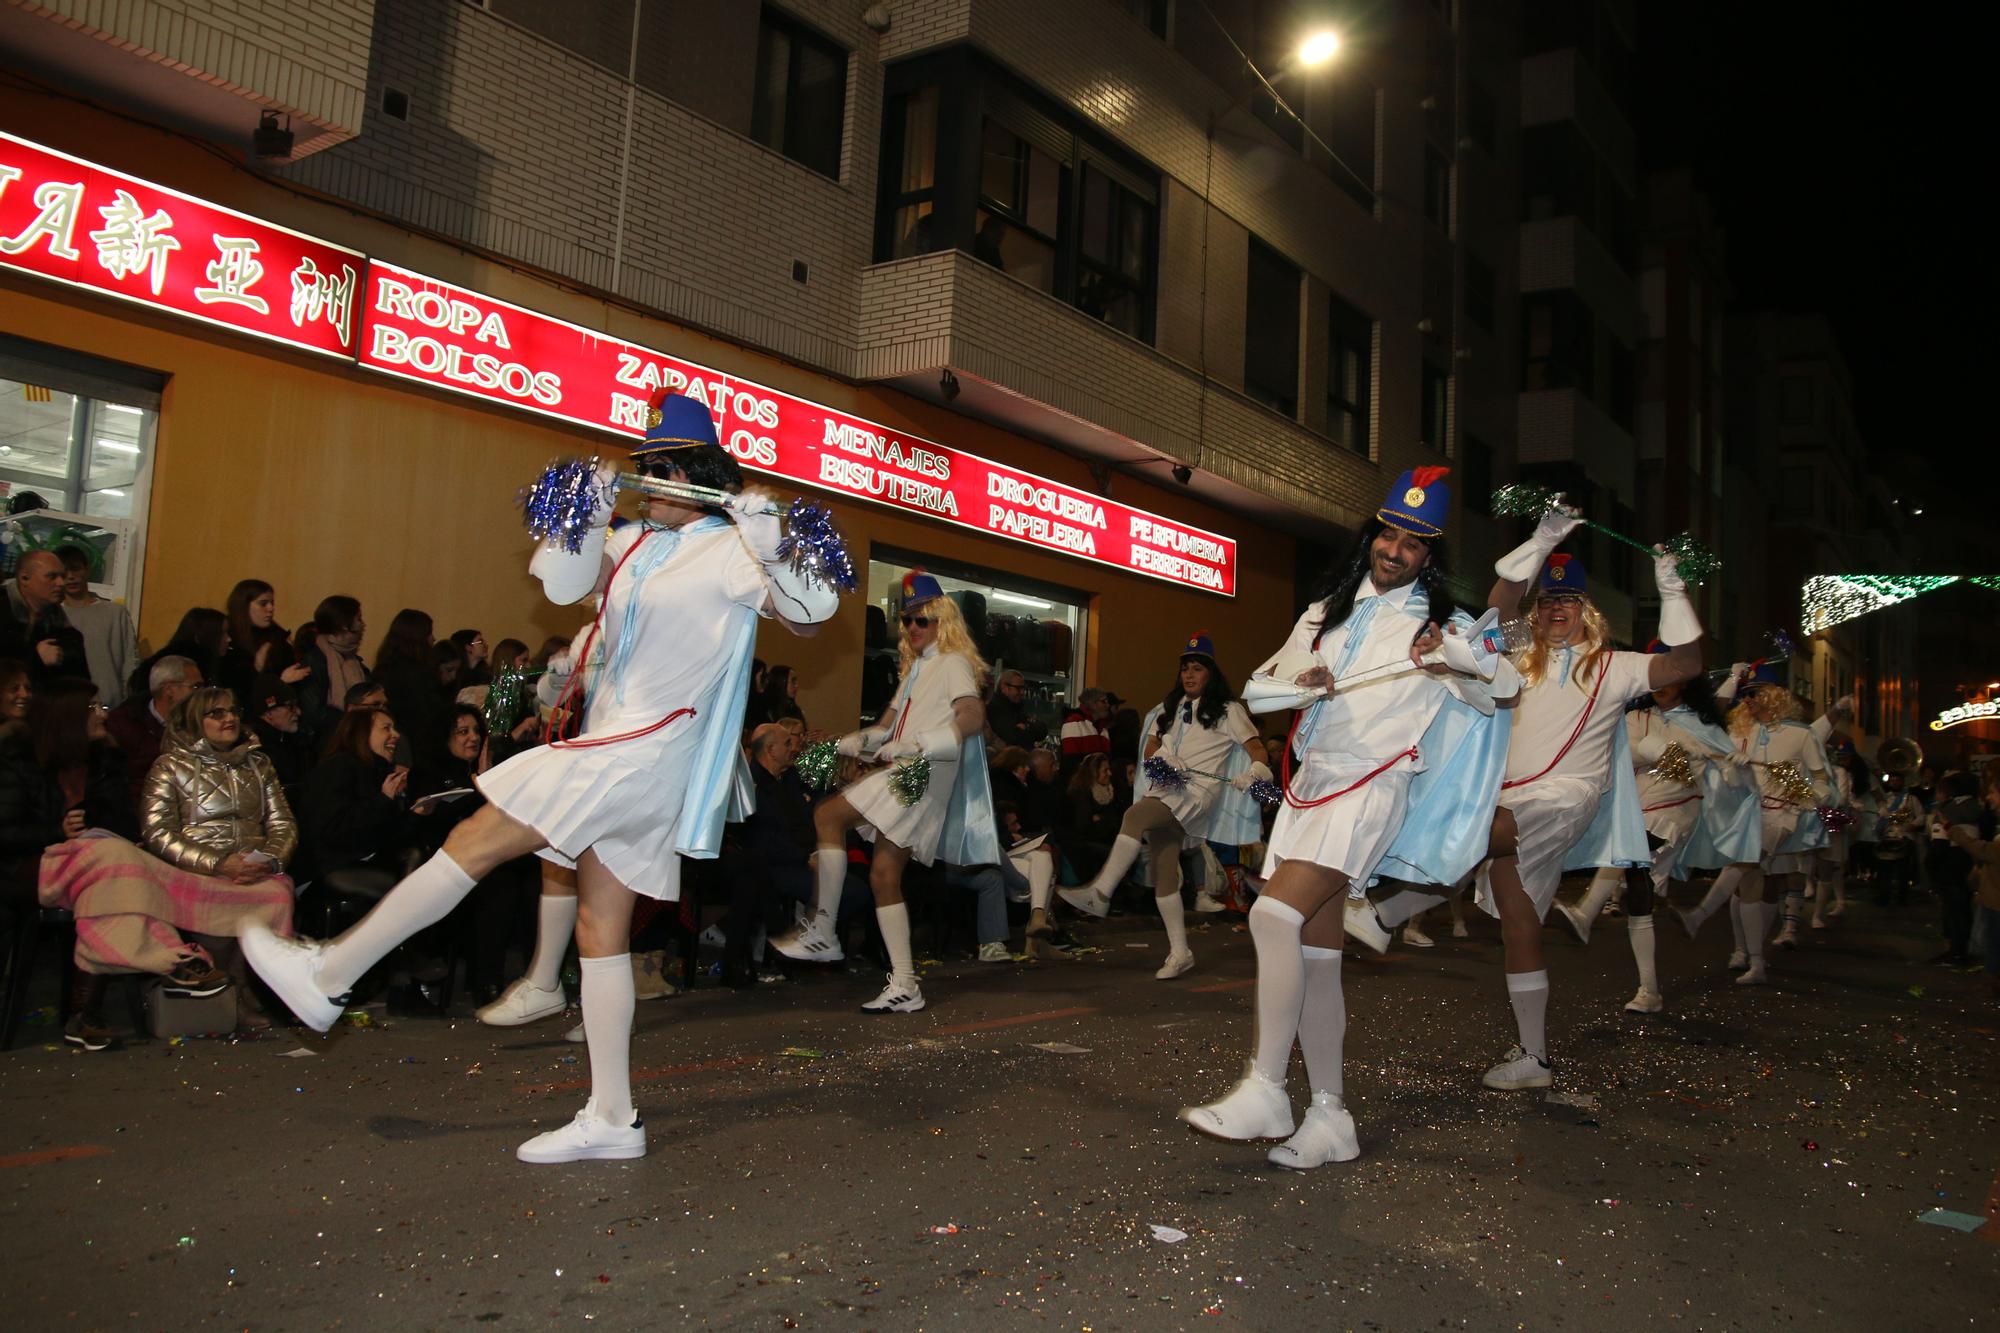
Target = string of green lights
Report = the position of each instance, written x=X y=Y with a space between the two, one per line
x=1832 y=599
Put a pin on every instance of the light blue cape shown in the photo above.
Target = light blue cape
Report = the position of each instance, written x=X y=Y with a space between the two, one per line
x=970 y=837
x=719 y=789
x=1617 y=833
x=1730 y=830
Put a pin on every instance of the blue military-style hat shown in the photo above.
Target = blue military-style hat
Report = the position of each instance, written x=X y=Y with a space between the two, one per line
x=1564 y=574
x=1199 y=645
x=675 y=421
x=918 y=588
x=1419 y=502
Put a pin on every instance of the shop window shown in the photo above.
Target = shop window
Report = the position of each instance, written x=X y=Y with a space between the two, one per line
x=1271 y=331
x=1018 y=625
x=75 y=454
x=801 y=93
x=1350 y=374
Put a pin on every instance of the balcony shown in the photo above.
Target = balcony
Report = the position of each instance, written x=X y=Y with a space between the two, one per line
x=1560 y=254
x=1561 y=85
x=1564 y=426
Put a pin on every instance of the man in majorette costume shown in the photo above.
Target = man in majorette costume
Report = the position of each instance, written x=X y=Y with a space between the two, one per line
x=1202 y=731
x=1689 y=776
x=653 y=775
x=938 y=715
x=1399 y=752
x=1829 y=869
x=1569 y=801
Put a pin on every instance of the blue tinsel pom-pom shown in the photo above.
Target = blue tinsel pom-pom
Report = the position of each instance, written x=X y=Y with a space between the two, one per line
x=1266 y=792
x=1781 y=644
x=815 y=549
x=1165 y=776
x=561 y=502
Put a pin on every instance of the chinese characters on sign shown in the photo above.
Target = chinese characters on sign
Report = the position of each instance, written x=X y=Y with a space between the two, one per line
x=437 y=334
x=63 y=218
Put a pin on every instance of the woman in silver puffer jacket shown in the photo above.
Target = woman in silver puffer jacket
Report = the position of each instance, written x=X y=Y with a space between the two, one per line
x=212 y=803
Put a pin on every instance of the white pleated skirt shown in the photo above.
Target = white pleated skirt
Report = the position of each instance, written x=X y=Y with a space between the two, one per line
x=1350 y=833
x=622 y=801
x=1779 y=826
x=1551 y=815
x=1673 y=824
x=916 y=827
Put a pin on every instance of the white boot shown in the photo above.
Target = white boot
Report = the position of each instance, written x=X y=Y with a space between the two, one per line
x=1325 y=1135
x=1256 y=1108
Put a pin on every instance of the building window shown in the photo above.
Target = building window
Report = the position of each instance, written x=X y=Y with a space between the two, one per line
x=1154 y=14
x=1476 y=471
x=1350 y=373
x=801 y=93
x=1434 y=412
x=909 y=187
x=1271 y=331
x=1479 y=291
x=1437 y=187
x=1113 y=249
x=1020 y=206
x=1557 y=341
x=1482 y=117
x=1795 y=393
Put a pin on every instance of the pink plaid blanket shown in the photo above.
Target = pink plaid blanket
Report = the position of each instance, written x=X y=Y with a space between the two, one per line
x=130 y=906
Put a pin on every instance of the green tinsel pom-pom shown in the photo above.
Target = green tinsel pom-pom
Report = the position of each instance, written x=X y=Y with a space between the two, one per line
x=911 y=779
x=1696 y=563
x=818 y=765
x=1518 y=501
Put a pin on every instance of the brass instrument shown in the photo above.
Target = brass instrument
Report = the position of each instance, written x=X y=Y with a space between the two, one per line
x=1899 y=755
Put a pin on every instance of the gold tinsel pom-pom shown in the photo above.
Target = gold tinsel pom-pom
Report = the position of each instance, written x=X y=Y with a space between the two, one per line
x=1792 y=783
x=1675 y=766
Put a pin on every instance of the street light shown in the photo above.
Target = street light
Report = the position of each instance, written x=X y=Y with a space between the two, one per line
x=1319 y=48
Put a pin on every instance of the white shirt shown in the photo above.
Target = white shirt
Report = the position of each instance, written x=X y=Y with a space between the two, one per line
x=1650 y=733
x=1787 y=742
x=1548 y=713
x=924 y=700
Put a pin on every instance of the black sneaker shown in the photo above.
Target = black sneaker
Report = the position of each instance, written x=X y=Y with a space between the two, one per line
x=87 y=1035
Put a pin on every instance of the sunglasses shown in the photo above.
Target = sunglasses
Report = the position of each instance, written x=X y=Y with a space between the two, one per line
x=921 y=622
x=217 y=714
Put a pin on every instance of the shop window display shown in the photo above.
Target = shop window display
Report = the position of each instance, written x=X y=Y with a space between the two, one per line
x=1031 y=630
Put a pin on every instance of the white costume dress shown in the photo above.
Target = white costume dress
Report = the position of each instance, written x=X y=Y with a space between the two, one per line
x=923 y=703
x=671 y=629
x=1207 y=749
x=1793 y=833
x=1559 y=762
x=1362 y=741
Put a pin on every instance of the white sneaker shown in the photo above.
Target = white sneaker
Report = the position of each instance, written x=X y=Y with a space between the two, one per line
x=1739 y=960
x=589 y=1137
x=524 y=1002
x=1086 y=900
x=1755 y=975
x=1688 y=923
x=575 y=1034
x=1177 y=965
x=1576 y=920
x=1255 y=1108
x=1204 y=901
x=1645 y=1002
x=291 y=969
x=1362 y=923
x=713 y=938
x=995 y=952
x=1416 y=938
x=1517 y=1069
x=1459 y=932
x=817 y=943
x=896 y=998
x=1325 y=1135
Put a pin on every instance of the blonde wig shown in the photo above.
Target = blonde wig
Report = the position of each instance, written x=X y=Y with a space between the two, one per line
x=1785 y=706
x=1593 y=643
x=952 y=635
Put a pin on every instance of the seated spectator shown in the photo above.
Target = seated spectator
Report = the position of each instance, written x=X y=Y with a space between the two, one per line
x=275 y=720
x=139 y=725
x=1014 y=877
x=367 y=694
x=408 y=669
x=202 y=637
x=1007 y=715
x=1086 y=728
x=775 y=849
x=507 y=653
x=1048 y=802
x=1009 y=775
x=258 y=644
x=110 y=644
x=356 y=806
x=551 y=646
x=1091 y=823
x=17 y=692
x=496 y=909
x=449 y=661
x=35 y=630
x=216 y=835
x=331 y=654
x=472 y=654
x=778 y=700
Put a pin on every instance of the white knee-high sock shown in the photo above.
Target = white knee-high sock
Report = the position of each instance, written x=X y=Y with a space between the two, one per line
x=1124 y=851
x=1281 y=984
x=830 y=878
x=558 y=923
x=1528 y=992
x=1323 y=1020
x=894 y=922
x=1173 y=914
x=607 y=1026
x=424 y=898
x=1757 y=919
x=1602 y=885
x=1639 y=929
x=1736 y=923
x=1718 y=894
x=1404 y=904
x=1795 y=901
x=1041 y=880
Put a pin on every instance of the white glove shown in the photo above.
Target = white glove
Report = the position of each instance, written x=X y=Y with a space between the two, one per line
x=1843 y=706
x=902 y=747
x=1262 y=694
x=856 y=743
x=939 y=743
x=1678 y=622
x=762 y=532
x=607 y=495
x=1167 y=755
x=1250 y=776
x=1525 y=561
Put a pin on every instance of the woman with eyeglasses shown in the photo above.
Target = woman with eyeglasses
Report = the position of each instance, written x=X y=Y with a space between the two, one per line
x=215 y=834
x=937 y=715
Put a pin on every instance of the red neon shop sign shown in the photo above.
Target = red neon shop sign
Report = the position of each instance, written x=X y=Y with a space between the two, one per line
x=434 y=333
x=77 y=223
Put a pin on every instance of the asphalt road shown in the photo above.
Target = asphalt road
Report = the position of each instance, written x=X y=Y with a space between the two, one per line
x=1752 y=1159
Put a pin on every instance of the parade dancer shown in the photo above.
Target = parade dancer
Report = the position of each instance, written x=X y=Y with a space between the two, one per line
x=1201 y=729
x=652 y=775
x=1674 y=799
x=1569 y=801
x=1829 y=869
x=1770 y=737
x=1395 y=774
x=938 y=716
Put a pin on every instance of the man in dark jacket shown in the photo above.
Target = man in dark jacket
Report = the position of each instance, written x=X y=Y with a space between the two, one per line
x=776 y=845
x=35 y=629
x=140 y=722
x=1008 y=714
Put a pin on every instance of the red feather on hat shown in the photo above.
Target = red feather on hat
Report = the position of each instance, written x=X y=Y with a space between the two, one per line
x=1423 y=476
x=659 y=398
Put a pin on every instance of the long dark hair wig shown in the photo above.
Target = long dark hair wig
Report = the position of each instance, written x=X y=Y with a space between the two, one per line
x=1343 y=579
x=1215 y=698
x=1697 y=693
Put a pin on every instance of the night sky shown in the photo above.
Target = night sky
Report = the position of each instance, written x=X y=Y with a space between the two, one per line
x=1845 y=147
